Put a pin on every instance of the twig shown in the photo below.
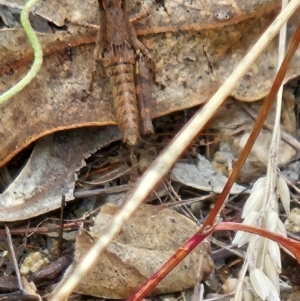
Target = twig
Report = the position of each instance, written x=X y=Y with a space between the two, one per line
x=13 y=258
x=184 y=208
x=61 y=224
x=45 y=230
x=38 y=54
x=79 y=194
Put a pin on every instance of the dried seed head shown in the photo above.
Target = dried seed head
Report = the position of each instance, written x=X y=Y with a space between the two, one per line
x=257 y=249
x=280 y=228
x=273 y=296
x=263 y=255
x=263 y=286
x=247 y=295
x=273 y=250
x=284 y=193
x=271 y=271
x=255 y=200
x=260 y=283
x=242 y=237
x=271 y=220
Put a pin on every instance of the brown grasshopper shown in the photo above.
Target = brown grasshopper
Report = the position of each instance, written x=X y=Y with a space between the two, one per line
x=121 y=53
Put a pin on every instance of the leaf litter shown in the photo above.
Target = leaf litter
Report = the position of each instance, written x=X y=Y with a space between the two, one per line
x=50 y=172
x=165 y=90
x=185 y=76
x=147 y=240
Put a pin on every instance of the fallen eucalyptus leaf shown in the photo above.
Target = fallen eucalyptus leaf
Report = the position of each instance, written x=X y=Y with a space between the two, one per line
x=50 y=172
x=147 y=240
x=58 y=12
x=179 y=15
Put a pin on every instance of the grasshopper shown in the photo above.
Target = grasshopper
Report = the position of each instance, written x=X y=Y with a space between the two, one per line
x=125 y=58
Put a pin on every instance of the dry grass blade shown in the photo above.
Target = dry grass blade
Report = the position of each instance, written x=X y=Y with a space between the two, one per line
x=169 y=156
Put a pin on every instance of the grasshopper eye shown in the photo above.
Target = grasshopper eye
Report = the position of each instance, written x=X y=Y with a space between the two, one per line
x=222 y=15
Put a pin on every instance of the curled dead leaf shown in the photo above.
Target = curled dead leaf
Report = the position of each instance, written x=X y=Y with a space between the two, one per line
x=50 y=172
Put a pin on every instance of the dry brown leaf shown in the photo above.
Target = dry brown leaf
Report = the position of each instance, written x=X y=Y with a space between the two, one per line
x=294 y=296
x=178 y=15
x=60 y=11
x=190 y=66
x=233 y=126
x=147 y=240
x=50 y=172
